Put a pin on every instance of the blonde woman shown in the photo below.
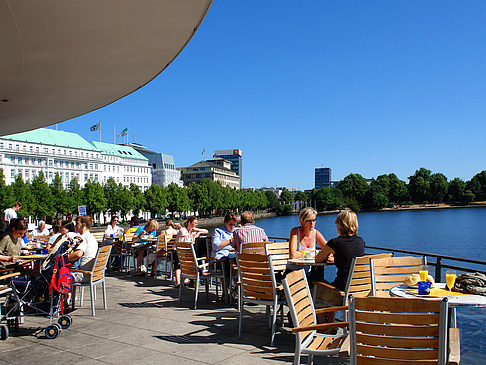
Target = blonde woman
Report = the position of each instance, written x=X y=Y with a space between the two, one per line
x=150 y=230
x=344 y=248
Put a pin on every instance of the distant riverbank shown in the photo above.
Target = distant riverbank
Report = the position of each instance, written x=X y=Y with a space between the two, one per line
x=218 y=221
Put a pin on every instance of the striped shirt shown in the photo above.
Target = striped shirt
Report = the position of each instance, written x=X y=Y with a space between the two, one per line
x=248 y=233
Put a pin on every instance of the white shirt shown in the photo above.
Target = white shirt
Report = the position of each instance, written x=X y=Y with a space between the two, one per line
x=9 y=214
x=89 y=246
x=117 y=231
x=36 y=232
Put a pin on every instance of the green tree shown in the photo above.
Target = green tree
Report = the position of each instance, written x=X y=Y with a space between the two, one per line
x=124 y=200
x=110 y=192
x=60 y=201
x=74 y=196
x=138 y=204
x=155 y=200
x=477 y=185
x=324 y=199
x=398 y=192
x=94 y=198
x=177 y=198
x=457 y=190
x=43 y=202
x=285 y=197
x=272 y=199
x=199 y=196
x=376 y=196
x=6 y=198
x=419 y=186
x=438 y=187
x=354 y=186
x=215 y=194
x=22 y=193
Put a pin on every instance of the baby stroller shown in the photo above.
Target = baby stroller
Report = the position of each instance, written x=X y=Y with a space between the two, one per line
x=43 y=294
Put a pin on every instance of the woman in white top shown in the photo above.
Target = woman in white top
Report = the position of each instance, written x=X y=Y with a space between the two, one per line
x=113 y=230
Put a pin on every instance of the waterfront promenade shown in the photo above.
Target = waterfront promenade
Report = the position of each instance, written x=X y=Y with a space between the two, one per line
x=145 y=324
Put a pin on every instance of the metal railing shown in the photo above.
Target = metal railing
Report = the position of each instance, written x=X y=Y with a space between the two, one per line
x=437 y=263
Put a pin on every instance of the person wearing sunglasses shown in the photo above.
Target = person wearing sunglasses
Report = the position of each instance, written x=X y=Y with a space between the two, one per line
x=113 y=231
x=306 y=239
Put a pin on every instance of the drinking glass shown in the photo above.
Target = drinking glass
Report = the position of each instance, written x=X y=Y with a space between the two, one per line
x=424 y=272
x=450 y=279
x=303 y=253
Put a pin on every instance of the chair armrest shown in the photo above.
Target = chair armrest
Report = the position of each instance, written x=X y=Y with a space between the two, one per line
x=326 y=286
x=81 y=271
x=201 y=266
x=331 y=309
x=454 y=348
x=203 y=258
x=9 y=275
x=323 y=326
x=345 y=349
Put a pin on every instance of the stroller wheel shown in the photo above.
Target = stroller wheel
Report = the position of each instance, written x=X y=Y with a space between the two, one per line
x=65 y=321
x=3 y=332
x=52 y=331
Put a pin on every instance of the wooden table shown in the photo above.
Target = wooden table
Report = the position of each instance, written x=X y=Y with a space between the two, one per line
x=308 y=262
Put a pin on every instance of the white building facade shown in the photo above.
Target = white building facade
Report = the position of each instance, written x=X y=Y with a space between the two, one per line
x=71 y=156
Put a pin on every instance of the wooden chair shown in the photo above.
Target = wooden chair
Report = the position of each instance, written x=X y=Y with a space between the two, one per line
x=163 y=250
x=253 y=247
x=280 y=255
x=401 y=331
x=258 y=286
x=96 y=276
x=170 y=241
x=358 y=283
x=40 y=239
x=99 y=236
x=191 y=269
x=389 y=272
x=307 y=339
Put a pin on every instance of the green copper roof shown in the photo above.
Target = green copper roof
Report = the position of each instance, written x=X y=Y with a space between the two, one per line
x=52 y=137
x=118 y=150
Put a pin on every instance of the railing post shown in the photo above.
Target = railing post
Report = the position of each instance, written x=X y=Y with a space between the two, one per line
x=438 y=269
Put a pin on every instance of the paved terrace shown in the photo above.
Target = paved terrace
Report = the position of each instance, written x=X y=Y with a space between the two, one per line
x=145 y=324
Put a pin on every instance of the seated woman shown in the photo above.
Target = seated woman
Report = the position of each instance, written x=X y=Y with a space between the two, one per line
x=113 y=231
x=150 y=229
x=11 y=242
x=187 y=233
x=344 y=248
x=306 y=238
x=222 y=240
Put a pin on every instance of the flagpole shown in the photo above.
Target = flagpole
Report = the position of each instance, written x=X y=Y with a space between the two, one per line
x=114 y=134
x=100 y=131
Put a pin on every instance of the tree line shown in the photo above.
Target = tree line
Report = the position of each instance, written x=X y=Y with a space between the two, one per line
x=40 y=199
x=423 y=187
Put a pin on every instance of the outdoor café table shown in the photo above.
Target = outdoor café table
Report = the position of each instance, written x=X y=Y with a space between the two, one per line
x=308 y=262
x=456 y=299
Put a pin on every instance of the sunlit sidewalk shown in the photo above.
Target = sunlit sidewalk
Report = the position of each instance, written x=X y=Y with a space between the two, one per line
x=145 y=324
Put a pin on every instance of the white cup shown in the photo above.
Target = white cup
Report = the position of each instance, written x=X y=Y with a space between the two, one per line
x=310 y=254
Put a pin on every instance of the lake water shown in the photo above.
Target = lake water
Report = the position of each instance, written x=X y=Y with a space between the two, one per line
x=453 y=232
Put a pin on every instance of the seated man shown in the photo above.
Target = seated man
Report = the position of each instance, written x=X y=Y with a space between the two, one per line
x=41 y=230
x=248 y=232
x=87 y=249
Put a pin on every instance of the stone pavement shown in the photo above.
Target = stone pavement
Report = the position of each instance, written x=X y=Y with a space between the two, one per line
x=145 y=324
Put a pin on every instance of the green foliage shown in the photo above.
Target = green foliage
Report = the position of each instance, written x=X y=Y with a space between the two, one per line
x=75 y=196
x=21 y=192
x=419 y=186
x=398 y=192
x=438 y=187
x=155 y=200
x=42 y=197
x=138 y=203
x=477 y=186
x=284 y=209
x=354 y=188
x=272 y=200
x=94 y=198
x=60 y=199
x=285 y=197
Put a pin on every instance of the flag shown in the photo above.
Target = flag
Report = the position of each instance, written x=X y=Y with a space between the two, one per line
x=123 y=133
x=95 y=127
x=202 y=153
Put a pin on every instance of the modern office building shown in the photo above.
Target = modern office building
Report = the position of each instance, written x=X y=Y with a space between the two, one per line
x=216 y=169
x=322 y=177
x=163 y=167
x=235 y=157
x=71 y=156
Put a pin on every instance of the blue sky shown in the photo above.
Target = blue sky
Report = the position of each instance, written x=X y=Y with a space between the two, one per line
x=361 y=87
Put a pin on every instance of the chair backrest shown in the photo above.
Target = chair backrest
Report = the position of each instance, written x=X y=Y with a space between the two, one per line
x=99 y=236
x=300 y=303
x=359 y=277
x=393 y=330
x=129 y=237
x=257 y=277
x=170 y=241
x=98 y=271
x=253 y=247
x=187 y=259
x=389 y=272
x=40 y=239
x=280 y=254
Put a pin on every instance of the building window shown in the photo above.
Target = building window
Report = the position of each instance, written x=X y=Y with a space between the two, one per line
x=85 y=177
